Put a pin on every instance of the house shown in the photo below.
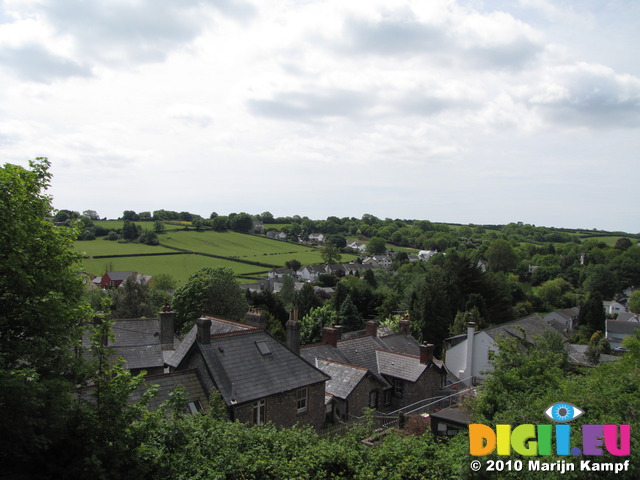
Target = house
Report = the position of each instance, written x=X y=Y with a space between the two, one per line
x=611 y=307
x=467 y=355
x=143 y=343
x=565 y=320
x=337 y=270
x=115 y=279
x=378 y=261
x=449 y=421
x=426 y=255
x=618 y=330
x=277 y=235
x=357 y=247
x=349 y=390
x=280 y=273
x=259 y=379
x=316 y=237
x=401 y=370
x=311 y=273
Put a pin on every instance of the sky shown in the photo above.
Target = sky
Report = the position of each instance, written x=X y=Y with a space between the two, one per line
x=471 y=112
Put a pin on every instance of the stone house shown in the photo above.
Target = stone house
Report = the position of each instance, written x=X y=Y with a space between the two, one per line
x=259 y=379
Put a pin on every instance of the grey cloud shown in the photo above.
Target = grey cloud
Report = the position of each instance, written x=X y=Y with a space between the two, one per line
x=592 y=99
x=311 y=106
x=403 y=34
x=422 y=104
x=136 y=31
x=393 y=36
x=35 y=63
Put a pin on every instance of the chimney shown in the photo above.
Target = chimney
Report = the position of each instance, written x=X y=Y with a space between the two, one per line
x=204 y=331
x=339 y=330
x=426 y=353
x=405 y=326
x=468 y=371
x=330 y=336
x=293 y=332
x=167 y=322
x=371 y=328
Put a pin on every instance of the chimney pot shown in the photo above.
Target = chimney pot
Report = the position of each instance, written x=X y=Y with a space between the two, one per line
x=405 y=326
x=293 y=335
x=203 y=331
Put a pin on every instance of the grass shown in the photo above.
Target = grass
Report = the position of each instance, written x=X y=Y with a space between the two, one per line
x=179 y=267
x=233 y=245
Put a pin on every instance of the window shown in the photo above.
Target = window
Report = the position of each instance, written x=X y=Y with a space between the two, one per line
x=301 y=399
x=373 y=399
x=194 y=407
x=258 y=412
x=263 y=348
x=398 y=387
x=387 y=396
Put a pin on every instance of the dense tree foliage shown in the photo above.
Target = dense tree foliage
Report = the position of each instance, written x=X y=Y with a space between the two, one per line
x=40 y=315
x=209 y=291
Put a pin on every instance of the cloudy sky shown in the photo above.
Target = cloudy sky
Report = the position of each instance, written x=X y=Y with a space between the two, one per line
x=484 y=112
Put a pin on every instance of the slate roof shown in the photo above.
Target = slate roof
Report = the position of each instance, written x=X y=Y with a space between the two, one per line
x=218 y=326
x=578 y=355
x=344 y=377
x=137 y=341
x=532 y=326
x=401 y=343
x=398 y=365
x=243 y=372
x=455 y=415
x=166 y=383
x=628 y=317
x=620 y=327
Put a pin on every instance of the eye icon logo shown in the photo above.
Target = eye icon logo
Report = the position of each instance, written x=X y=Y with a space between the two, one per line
x=563 y=412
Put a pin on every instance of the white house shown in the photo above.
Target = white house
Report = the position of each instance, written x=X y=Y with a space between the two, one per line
x=467 y=356
x=316 y=237
x=611 y=307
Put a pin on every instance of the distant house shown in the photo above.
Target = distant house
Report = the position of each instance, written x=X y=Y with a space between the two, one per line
x=565 y=320
x=115 y=279
x=277 y=235
x=611 y=307
x=378 y=261
x=400 y=371
x=259 y=379
x=316 y=237
x=311 y=273
x=357 y=247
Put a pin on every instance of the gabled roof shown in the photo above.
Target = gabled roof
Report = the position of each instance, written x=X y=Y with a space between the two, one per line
x=530 y=327
x=628 y=317
x=119 y=275
x=398 y=365
x=401 y=343
x=249 y=365
x=137 y=341
x=167 y=382
x=218 y=326
x=344 y=378
x=621 y=327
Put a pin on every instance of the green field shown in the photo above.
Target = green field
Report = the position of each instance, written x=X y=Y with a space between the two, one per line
x=179 y=267
x=236 y=247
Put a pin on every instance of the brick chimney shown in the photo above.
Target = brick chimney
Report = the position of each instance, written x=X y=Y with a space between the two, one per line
x=330 y=336
x=426 y=353
x=371 y=328
x=293 y=331
x=167 y=322
x=204 y=331
x=405 y=326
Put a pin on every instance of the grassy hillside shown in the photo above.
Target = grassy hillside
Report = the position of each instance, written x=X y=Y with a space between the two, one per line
x=236 y=248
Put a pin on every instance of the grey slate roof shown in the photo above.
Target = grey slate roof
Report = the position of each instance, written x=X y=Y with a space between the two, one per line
x=243 y=373
x=619 y=327
x=321 y=350
x=137 y=341
x=402 y=344
x=532 y=326
x=344 y=377
x=455 y=415
x=578 y=354
x=218 y=326
x=399 y=365
x=166 y=383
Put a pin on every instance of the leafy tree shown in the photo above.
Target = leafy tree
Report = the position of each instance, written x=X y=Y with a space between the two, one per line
x=306 y=299
x=293 y=265
x=501 y=256
x=267 y=217
x=92 y=214
x=130 y=231
x=600 y=279
x=376 y=246
x=591 y=314
x=210 y=291
x=148 y=238
x=330 y=253
x=220 y=223
x=133 y=299
x=349 y=315
x=242 y=222
x=634 y=301
x=158 y=226
x=623 y=243
x=287 y=291
x=312 y=323
x=41 y=316
x=460 y=322
x=130 y=215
